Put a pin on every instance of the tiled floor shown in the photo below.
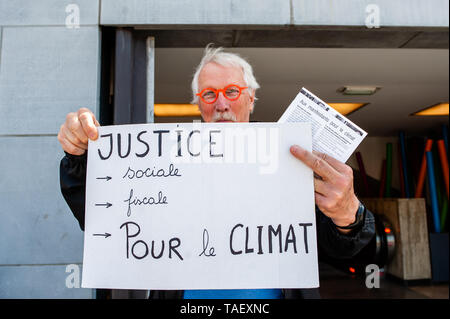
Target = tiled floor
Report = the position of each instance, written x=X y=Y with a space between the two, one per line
x=335 y=284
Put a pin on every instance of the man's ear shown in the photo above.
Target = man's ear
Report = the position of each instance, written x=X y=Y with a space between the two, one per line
x=199 y=108
x=252 y=101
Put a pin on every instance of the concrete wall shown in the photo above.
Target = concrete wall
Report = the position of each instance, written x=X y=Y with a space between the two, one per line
x=48 y=69
x=400 y=13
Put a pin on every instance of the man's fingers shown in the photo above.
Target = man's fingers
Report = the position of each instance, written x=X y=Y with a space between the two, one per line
x=317 y=164
x=320 y=186
x=87 y=120
x=74 y=126
x=320 y=200
x=72 y=138
x=69 y=147
x=336 y=164
x=74 y=134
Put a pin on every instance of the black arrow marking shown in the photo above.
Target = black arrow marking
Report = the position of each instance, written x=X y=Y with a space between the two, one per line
x=106 y=235
x=106 y=177
x=104 y=204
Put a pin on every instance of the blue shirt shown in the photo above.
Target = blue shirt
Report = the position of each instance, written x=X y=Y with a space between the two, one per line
x=234 y=294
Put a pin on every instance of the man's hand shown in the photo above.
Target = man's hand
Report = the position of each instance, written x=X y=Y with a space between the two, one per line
x=78 y=128
x=333 y=186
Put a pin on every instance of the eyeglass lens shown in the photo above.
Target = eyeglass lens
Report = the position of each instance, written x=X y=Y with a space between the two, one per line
x=231 y=93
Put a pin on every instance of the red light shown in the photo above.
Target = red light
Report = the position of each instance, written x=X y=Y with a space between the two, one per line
x=387 y=230
x=352 y=270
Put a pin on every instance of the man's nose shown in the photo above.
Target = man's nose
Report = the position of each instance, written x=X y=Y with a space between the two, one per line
x=222 y=104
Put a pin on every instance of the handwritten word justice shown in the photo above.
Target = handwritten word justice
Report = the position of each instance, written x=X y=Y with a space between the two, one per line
x=127 y=142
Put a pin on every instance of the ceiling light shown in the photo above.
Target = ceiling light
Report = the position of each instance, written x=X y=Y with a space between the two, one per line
x=346 y=108
x=358 y=90
x=434 y=110
x=176 y=110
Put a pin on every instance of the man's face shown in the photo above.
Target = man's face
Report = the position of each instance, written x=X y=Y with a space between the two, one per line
x=217 y=76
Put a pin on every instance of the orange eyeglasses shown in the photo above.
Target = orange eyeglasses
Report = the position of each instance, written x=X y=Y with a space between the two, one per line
x=231 y=92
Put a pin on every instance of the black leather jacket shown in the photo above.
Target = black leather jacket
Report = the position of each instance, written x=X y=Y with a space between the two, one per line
x=330 y=241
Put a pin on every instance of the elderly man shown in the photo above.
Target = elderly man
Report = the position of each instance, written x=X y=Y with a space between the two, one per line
x=224 y=88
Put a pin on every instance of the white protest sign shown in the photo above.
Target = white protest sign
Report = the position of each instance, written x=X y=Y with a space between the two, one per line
x=199 y=206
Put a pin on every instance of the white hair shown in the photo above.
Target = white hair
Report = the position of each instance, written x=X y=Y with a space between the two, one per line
x=217 y=55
